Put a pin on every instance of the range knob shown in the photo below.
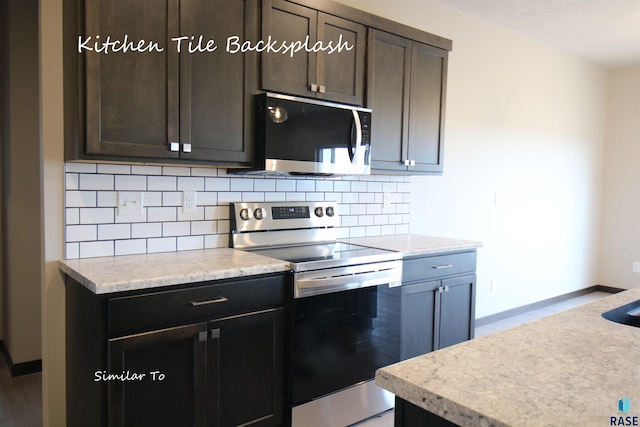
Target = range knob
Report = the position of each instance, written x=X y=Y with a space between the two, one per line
x=318 y=211
x=245 y=214
x=259 y=213
x=329 y=211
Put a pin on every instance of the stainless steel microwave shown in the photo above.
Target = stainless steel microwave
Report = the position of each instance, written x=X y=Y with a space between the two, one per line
x=310 y=137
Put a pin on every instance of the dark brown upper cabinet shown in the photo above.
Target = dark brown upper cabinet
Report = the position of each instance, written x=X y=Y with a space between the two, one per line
x=406 y=88
x=338 y=76
x=167 y=105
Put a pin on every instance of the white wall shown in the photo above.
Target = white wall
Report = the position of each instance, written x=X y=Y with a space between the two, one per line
x=527 y=122
x=621 y=204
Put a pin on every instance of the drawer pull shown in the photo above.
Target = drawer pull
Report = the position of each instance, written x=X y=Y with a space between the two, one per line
x=211 y=301
x=440 y=267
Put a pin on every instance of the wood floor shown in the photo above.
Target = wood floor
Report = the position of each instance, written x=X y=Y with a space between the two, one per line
x=20 y=398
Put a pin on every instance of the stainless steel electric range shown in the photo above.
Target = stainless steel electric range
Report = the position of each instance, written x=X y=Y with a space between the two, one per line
x=344 y=312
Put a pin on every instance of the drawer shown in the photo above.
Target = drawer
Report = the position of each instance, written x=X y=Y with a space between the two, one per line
x=212 y=300
x=434 y=267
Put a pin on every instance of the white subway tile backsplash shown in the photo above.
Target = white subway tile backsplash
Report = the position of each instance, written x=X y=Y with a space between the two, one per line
x=146 y=170
x=107 y=199
x=131 y=247
x=81 y=233
x=80 y=199
x=107 y=168
x=72 y=182
x=241 y=184
x=72 y=216
x=172 y=198
x=204 y=172
x=216 y=241
x=163 y=244
x=73 y=250
x=96 y=182
x=131 y=183
x=190 y=243
x=229 y=197
x=114 y=231
x=162 y=183
x=217 y=184
x=217 y=212
x=264 y=185
x=207 y=198
x=94 y=228
x=152 y=198
x=96 y=249
x=81 y=167
x=190 y=183
x=203 y=227
x=176 y=170
x=284 y=185
x=145 y=230
x=305 y=185
x=170 y=229
x=198 y=215
x=97 y=215
x=162 y=214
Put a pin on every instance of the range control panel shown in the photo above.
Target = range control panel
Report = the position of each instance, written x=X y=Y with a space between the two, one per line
x=283 y=216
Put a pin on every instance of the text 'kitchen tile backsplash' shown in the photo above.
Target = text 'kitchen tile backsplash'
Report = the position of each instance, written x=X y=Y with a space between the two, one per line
x=94 y=228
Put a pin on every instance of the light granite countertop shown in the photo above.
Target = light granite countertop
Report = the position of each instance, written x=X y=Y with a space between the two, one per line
x=570 y=368
x=415 y=244
x=131 y=272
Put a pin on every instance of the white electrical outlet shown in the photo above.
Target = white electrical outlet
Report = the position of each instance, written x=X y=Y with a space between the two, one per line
x=636 y=267
x=130 y=203
x=189 y=201
x=494 y=284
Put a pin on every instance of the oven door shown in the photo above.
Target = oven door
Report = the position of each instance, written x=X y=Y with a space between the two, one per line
x=340 y=339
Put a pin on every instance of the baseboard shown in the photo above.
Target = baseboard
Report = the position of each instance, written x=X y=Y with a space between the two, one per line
x=24 y=368
x=544 y=303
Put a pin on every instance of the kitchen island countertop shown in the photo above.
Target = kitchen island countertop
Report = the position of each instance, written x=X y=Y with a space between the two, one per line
x=571 y=368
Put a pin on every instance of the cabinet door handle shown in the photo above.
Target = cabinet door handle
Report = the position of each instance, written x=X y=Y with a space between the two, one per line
x=174 y=146
x=211 y=301
x=314 y=87
x=412 y=163
x=186 y=148
x=323 y=88
x=440 y=267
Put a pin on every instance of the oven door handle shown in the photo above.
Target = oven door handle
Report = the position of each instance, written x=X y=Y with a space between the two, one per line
x=328 y=284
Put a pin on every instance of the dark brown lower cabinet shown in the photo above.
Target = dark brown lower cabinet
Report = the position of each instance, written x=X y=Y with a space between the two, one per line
x=438 y=302
x=222 y=365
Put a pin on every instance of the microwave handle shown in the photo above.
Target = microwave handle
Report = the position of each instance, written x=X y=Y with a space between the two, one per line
x=355 y=125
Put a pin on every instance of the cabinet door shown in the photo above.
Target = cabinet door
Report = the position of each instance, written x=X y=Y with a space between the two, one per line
x=216 y=87
x=283 y=21
x=426 y=108
x=457 y=311
x=175 y=399
x=389 y=71
x=341 y=74
x=246 y=358
x=419 y=310
x=131 y=98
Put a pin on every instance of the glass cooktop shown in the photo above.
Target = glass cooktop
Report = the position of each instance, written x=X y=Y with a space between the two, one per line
x=326 y=255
